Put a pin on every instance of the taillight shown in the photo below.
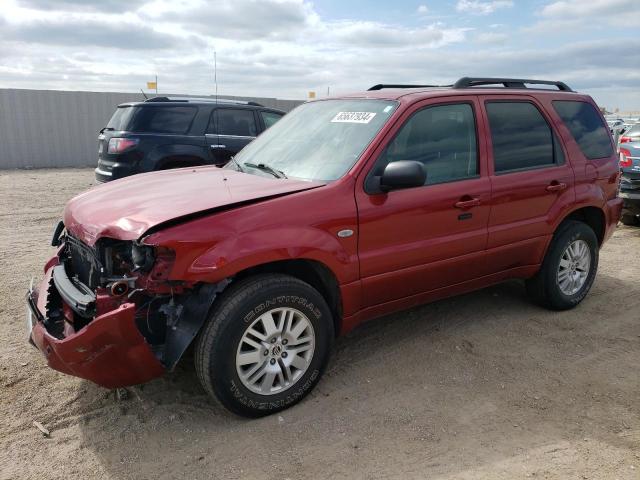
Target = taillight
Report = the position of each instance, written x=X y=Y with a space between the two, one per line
x=625 y=158
x=119 y=145
x=626 y=139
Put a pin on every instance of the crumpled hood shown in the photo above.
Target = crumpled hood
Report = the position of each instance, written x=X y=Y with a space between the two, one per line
x=125 y=209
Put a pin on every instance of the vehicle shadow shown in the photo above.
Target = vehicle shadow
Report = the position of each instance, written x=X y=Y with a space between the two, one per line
x=489 y=364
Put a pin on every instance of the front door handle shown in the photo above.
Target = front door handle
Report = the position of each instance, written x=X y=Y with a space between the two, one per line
x=556 y=186
x=468 y=202
x=217 y=146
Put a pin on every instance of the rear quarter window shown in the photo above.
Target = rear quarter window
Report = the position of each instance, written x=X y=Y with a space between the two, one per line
x=586 y=127
x=172 y=120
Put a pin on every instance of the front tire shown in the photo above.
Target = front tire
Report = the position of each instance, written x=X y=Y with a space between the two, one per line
x=265 y=344
x=568 y=269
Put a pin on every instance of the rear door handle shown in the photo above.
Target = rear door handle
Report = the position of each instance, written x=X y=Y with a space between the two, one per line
x=556 y=186
x=464 y=204
x=217 y=146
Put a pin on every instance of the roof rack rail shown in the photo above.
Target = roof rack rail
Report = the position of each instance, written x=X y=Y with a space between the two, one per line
x=467 y=82
x=381 y=86
x=203 y=99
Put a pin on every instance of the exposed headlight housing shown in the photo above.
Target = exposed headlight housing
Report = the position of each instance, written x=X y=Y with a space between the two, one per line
x=143 y=257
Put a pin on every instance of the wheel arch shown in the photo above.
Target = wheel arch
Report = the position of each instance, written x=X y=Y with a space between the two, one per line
x=313 y=272
x=593 y=216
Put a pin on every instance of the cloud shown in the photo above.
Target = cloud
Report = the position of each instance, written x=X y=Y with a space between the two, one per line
x=422 y=10
x=130 y=36
x=592 y=8
x=102 y=5
x=286 y=48
x=478 y=7
x=241 y=19
x=492 y=38
x=378 y=35
x=573 y=14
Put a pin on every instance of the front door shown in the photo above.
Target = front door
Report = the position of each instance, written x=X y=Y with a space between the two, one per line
x=421 y=239
x=229 y=131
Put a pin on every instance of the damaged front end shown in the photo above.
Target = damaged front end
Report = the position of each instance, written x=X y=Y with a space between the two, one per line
x=109 y=313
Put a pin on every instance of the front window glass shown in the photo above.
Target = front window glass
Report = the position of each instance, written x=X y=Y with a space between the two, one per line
x=319 y=140
x=442 y=138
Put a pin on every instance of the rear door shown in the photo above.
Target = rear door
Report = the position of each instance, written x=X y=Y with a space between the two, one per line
x=424 y=238
x=229 y=130
x=531 y=182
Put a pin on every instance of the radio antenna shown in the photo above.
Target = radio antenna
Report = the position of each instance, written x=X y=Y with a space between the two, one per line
x=215 y=72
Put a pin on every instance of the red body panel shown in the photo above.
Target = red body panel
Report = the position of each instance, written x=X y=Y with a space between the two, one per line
x=110 y=351
x=408 y=247
x=129 y=207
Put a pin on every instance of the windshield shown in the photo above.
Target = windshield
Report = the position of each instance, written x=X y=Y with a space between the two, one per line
x=318 y=140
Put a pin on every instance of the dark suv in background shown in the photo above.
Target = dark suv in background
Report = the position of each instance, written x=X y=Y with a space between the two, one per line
x=167 y=132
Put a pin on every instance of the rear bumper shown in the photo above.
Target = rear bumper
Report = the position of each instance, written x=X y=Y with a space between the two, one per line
x=109 y=351
x=631 y=202
x=613 y=214
x=108 y=170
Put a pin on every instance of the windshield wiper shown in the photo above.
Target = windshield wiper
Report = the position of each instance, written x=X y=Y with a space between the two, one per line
x=237 y=164
x=266 y=168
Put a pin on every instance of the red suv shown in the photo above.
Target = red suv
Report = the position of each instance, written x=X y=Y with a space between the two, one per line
x=347 y=209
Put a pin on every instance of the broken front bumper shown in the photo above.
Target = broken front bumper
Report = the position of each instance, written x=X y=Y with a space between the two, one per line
x=109 y=351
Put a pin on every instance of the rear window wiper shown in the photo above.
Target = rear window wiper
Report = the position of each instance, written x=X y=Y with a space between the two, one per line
x=104 y=129
x=266 y=168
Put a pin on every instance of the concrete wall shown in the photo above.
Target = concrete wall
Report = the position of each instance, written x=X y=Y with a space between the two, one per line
x=49 y=128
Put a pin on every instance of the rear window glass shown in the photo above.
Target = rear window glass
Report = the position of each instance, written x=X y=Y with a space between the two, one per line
x=175 y=120
x=233 y=121
x=586 y=127
x=120 y=118
x=520 y=135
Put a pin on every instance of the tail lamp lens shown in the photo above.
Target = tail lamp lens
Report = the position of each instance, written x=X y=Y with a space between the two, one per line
x=626 y=139
x=119 y=145
x=625 y=158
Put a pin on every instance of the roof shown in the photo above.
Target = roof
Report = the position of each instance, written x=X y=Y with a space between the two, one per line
x=466 y=86
x=162 y=100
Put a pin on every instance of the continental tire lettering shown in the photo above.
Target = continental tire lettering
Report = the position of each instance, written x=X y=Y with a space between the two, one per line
x=283 y=299
x=274 y=404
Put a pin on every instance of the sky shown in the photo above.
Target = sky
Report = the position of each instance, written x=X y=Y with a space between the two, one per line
x=286 y=48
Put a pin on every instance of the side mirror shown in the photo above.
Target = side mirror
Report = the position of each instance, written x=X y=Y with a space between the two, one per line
x=402 y=174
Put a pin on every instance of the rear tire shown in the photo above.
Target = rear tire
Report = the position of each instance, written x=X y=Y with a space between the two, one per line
x=265 y=344
x=568 y=269
x=630 y=220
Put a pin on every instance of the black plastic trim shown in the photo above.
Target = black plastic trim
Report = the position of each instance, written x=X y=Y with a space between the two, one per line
x=81 y=302
x=55 y=240
x=467 y=82
x=381 y=86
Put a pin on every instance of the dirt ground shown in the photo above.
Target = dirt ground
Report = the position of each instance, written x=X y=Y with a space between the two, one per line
x=483 y=386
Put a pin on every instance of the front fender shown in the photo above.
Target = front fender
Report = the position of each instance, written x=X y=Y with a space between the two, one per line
x=250 y=249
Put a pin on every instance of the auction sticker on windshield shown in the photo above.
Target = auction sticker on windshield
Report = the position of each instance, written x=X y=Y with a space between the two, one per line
x=353 y=117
